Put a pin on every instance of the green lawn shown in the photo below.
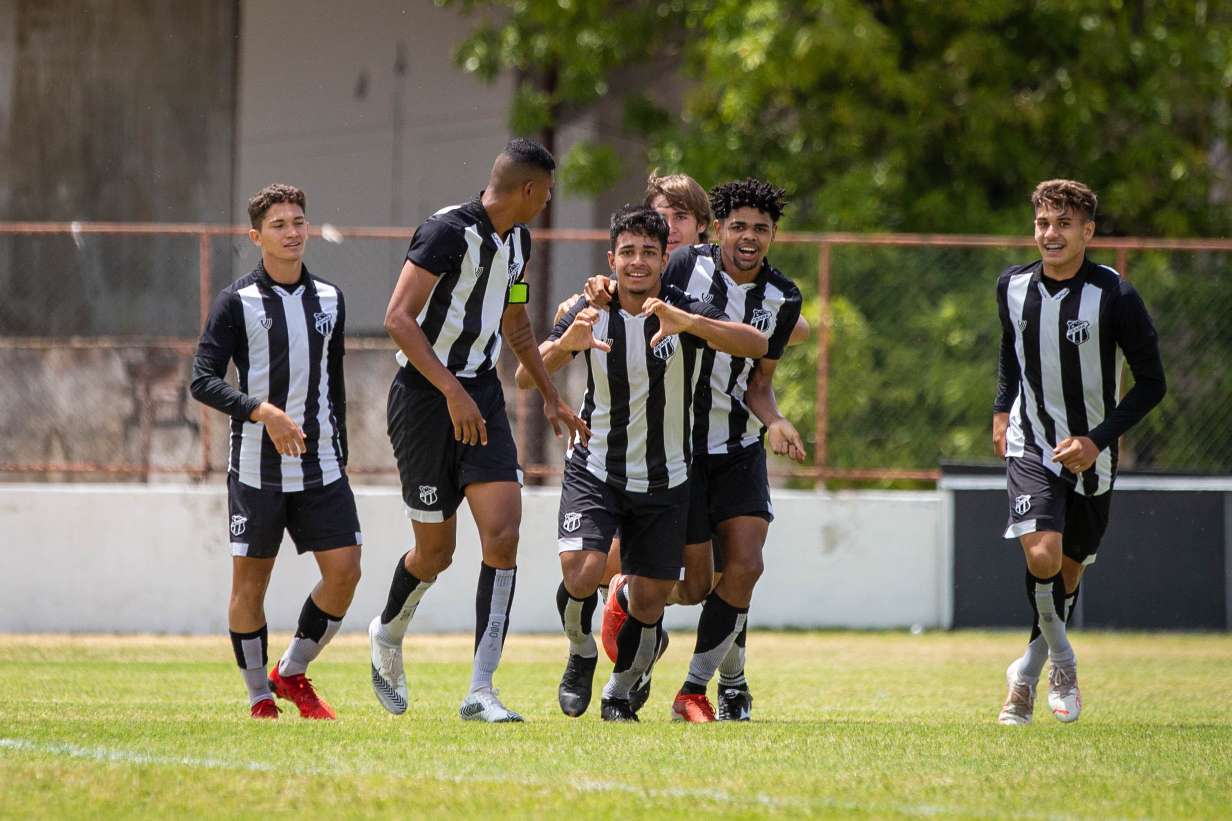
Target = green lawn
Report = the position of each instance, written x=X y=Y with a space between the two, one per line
x=852 y=724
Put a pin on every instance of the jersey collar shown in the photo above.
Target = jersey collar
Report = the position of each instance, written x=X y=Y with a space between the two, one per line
x=303 y=285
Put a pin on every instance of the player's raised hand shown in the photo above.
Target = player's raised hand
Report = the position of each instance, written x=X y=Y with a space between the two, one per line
x=672 y=320
x=1000 y=423
x=598 y=290
x=469 y=426
x=562 y=418
x=785 y=440
x=581 y=334
x=564 y=308
x=288 y=437
x=1075 y=453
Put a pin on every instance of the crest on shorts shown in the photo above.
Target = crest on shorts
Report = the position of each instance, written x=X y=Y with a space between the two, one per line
x=571 y=522
x=666 y=348
x=1022 y=504
x=266 y=322
x=763 y=320
x=1077 y=331
x=238 y=525
x=324 y=322
x=427 y=494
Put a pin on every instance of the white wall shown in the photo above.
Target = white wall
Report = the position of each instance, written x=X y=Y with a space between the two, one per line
x=123 y=558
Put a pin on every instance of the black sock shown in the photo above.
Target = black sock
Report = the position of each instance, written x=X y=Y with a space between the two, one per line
x=563 y=597
x=400 y=589
x=313 y=621
x=251 y=649
x=1035 y=628
x=1071 y=602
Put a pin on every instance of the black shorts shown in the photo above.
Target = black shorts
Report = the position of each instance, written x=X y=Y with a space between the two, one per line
x=651 y=525
x=319 y=518
x=1040 y=500
x=434 y=467
x=724 y=486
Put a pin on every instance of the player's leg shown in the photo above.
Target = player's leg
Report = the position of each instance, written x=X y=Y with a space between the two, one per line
x=585 y=526
x=497 y=510
x=698 y=578
x=611 y=569
x=322 y=521
x=637 y=643
x=256 y=519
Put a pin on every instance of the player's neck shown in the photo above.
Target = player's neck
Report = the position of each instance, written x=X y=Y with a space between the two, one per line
x=499 y=214
x=1064 y=272
x=284 y=272
x=633 y=303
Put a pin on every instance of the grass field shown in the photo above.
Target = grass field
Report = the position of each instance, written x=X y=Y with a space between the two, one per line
x=845 y=724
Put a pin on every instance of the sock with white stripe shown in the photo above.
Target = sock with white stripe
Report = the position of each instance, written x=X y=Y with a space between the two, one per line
x=731 y=668
x=717 y=629
x=250 y=655
x=493 y=599
x=405 y=593
x=576 y=616
x=1050 y=603
x=1071 y=599
x=1036 y=654
x=316 y=628
x=636 y=645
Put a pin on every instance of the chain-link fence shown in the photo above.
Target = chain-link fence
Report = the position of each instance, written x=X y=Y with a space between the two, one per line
x=99 y=324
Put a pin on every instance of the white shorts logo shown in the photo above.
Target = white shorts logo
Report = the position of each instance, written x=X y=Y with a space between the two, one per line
x=238 y=525
x=427 y=494
x=763 y=320
x=1022 y=504
x=571 y=522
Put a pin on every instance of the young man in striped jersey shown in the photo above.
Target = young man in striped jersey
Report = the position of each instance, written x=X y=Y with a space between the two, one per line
x=460 y=291
x=633 y=474
x=1067 y=324
x=284 y=329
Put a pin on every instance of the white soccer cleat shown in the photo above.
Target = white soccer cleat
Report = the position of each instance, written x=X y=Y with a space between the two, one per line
x=1063 y=697
x=483 y=705
x=1020 y=701
x=388 y=674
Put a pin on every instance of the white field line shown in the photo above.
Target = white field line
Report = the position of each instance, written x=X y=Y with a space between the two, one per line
x=122 y=756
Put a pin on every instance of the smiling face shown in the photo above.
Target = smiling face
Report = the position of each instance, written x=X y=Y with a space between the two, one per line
x=637 y=263
x=683 y=226
x=283 y=233
x=744 y=239
x=1062 y=236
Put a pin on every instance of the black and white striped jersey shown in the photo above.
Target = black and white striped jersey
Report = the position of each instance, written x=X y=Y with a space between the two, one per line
x=1062 y=346
x=638 y=400
x=770 y=303
x=475 y=266
x=287 y=345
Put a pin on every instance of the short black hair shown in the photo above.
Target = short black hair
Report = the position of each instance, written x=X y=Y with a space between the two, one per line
x=271 y=195
x=639 y=221
x=751 y=193
x=528 y=152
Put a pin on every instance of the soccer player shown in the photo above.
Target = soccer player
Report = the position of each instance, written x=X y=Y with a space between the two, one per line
x=633 y=473
x=284 y=328
x=1066 y=326
x=460 y=292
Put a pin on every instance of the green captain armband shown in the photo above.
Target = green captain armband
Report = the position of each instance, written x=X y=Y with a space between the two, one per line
x=519 y=294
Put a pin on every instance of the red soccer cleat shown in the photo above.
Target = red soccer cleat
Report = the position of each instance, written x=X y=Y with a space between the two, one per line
x=298 y=689
x=614 y=615
x=265 y=708
x=694 y=708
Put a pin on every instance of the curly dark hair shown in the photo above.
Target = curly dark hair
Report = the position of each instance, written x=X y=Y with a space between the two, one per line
x=639 y=221
x=753 y=193
x=270 y=196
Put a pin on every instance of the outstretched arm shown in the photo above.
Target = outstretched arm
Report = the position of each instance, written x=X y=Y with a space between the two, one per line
x=556 y=352
x=515 y=327
x=734 y=338
x=781 y=434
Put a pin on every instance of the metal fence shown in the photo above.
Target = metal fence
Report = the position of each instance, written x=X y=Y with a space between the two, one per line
x=99 y=323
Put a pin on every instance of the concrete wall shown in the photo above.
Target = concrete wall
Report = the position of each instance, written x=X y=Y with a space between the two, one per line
x=156 y=559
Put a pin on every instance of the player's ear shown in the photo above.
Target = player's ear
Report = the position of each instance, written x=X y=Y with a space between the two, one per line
x=255 y=236
x=611 y=262
x=1088 y=230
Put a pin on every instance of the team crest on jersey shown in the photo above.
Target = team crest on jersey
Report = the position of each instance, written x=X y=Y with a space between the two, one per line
x=763 y=320
x=1022 y=504
x=571 y=522
x=427 y=494
x=1022 y=325
x=266 y=322
x=666 y=348
x=238 y=525
x=1077 y=331
x=515 y=270
x=324 y=322
x=707 y=298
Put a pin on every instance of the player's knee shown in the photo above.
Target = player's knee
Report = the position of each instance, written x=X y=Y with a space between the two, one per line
x=345 y=577
x=748 y=569
x=694 y=589
x=501 y=544
x=1042 y=563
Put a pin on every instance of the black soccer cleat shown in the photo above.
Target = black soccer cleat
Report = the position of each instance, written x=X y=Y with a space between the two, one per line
x=617 y=709
x=735 y=704
x=575 y=685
